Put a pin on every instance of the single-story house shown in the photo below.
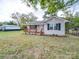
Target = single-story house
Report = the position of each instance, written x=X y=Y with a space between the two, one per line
x=52 y=26
x=9 y=27
x=0 y=28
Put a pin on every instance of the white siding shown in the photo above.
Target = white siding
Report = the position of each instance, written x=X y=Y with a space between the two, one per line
x=55 y=32
x=12 y=27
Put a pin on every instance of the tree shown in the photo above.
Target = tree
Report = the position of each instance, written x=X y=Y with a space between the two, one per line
x=1 y=23
x=73 y=18
x=76 y=19
x=23 y=18
x=77 y=14
x=8 y=23
x=11 y=23
x=16 y=16
x=68 y=15
x=28 y=17
x=52 y=6
x=32 y=17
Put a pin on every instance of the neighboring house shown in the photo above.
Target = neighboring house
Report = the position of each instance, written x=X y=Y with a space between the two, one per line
x=10 y=27
x=0 y=28
x=53 y=26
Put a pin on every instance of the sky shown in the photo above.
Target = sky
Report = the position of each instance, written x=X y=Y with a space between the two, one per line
x=7 y=7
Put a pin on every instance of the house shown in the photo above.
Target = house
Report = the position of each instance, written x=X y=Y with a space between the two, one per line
x=10 y=27
x=0 y=28
x=52 y=26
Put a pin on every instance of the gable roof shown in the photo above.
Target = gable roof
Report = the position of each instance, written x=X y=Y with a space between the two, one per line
x=44 y=21
x=55 y=17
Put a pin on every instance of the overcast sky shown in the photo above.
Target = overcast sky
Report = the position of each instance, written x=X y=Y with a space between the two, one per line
x=7 y=7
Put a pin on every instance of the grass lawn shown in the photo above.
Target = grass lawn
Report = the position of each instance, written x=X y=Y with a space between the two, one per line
x=17 y=45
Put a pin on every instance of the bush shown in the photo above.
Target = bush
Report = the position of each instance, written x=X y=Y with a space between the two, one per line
x=23 y=26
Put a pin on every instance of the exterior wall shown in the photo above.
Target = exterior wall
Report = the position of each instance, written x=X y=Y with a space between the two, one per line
x=55 y=32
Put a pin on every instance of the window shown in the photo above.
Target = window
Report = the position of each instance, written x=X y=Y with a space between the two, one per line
x=57 y=26
x=50 y=26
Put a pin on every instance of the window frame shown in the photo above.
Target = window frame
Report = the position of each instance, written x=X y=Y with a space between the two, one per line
x=57 y=26
x=50 y=27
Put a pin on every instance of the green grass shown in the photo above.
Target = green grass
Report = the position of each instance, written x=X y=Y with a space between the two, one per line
x=17 y=45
